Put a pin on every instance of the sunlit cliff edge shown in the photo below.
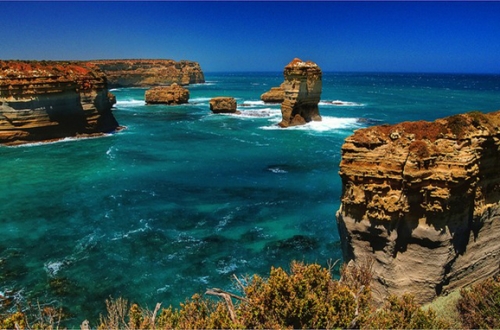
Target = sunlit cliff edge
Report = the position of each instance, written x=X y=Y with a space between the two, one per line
x=422 y=200
x=147 y=72
x=46 y=100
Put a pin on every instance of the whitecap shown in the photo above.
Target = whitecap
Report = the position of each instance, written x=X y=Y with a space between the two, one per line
x=53 y=267
x=326 y=124
x=66 y=139
x=199 y=100
x=258 y=113
x=130 y=103
x=253 y=103
x=339 y=103
x=277 y=170
x=163 y=289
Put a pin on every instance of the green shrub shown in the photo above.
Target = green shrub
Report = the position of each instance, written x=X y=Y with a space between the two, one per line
x=308 y=297
x=479 y=305
x=403 y=313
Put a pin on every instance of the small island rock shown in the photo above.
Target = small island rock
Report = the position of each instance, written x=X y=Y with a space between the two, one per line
x=170 y=95
x=223 y=104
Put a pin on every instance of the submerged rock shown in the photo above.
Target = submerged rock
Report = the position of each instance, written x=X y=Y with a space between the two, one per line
x=170 y=95
x=422 y=200
x=50 y=100
x=223 y=104
x=302 y=88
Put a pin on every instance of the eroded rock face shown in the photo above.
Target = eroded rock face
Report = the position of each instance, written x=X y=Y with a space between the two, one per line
x=302 y=88
x=274 y=95
x=42 y=101
x=422 y=200
x=145 y=73
x=173 y=94
x=223 y=104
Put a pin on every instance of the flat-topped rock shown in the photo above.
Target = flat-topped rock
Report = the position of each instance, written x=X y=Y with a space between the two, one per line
x=170 y=95
x=223 y=104
x=146 y=72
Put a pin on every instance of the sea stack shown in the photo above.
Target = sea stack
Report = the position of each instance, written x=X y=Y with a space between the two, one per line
x=170 y=95
x=422 y=200
x=222 y=104
x=302 y=89
x=45 y=100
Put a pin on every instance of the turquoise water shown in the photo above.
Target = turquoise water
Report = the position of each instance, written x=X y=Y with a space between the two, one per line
x=182 y=199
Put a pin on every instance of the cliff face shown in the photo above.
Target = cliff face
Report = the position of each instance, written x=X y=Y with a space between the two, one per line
x=422 y=200
x=145 y=73
x=302 y=92
x=42 y=101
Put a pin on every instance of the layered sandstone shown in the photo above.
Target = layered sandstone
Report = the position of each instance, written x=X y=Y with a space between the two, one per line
x=302 y=89
x=170 y=95
x=222 y=104
x=42 y=101
x=274 y=95
x=146 y=73
x=422 y=200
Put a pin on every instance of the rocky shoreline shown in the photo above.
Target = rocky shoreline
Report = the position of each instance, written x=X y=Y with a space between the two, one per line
x=43 y=101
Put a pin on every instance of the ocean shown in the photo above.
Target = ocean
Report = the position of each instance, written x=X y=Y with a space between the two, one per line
x=182 y=199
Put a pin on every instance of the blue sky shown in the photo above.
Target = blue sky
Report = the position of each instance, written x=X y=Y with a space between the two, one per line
x=261 y=36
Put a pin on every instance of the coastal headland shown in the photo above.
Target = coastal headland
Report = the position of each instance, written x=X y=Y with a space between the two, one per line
x=421 y=199
x=51 y=100
x=46 y=100
x=147 y=73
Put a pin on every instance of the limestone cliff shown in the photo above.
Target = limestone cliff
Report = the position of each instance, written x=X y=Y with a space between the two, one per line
x=302 y=88
x=42 y=101
x=422 y=200
x=145 y=73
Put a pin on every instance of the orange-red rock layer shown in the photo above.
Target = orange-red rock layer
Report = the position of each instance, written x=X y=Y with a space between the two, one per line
x=422 y=200
x=45 y=100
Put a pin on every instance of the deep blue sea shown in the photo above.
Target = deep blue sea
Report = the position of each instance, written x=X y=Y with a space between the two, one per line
x=183 y=199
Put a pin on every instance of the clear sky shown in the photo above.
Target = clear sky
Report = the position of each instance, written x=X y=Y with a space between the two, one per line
x=261 y=36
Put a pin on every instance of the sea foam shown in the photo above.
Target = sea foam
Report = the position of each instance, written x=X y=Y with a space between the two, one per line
x=326 y=124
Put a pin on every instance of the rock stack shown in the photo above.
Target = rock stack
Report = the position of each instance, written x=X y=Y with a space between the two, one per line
x=422 y=200
x=302 y=88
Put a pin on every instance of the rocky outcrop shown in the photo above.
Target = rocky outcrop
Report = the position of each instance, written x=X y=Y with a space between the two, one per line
x=422 y=200
x=302 y=87
x=274 y=95
x=146 y=73
x=170 y=95
x=223 y=104
x=42 y=101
